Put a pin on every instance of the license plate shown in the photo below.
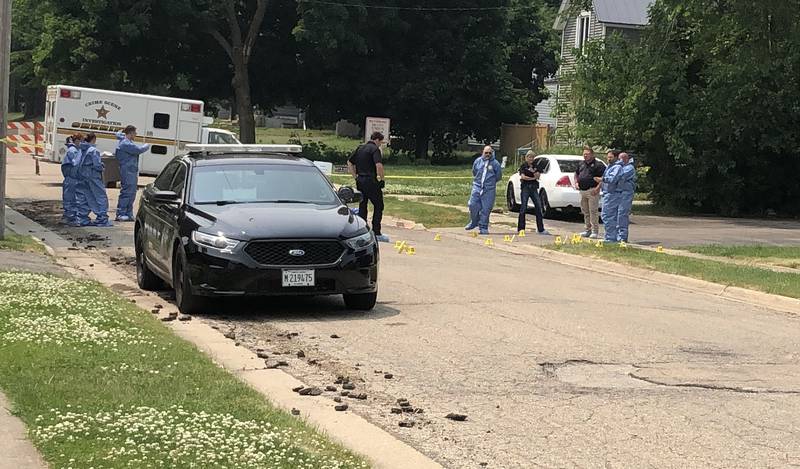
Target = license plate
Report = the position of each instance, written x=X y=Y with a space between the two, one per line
x=298 y=278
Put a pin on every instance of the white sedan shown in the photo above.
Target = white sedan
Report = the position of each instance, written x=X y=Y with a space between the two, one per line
x=555 y=185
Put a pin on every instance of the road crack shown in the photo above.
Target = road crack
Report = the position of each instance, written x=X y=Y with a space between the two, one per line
x=712 y=387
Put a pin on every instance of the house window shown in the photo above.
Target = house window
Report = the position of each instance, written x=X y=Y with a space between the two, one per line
x=582 y=31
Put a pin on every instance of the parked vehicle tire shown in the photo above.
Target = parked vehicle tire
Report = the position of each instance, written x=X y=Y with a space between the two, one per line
x=186 y=301
x=361 y=301
x=145 y=277
x=547 y=211
x=511 y=203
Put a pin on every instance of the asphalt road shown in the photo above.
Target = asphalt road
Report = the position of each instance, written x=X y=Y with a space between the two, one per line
x=553 y=366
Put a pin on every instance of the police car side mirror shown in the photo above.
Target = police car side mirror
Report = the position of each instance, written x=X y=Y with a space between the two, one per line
x=168 y=197
x=348 y=196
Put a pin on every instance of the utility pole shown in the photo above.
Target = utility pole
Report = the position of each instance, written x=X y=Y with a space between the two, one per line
x=5 y=69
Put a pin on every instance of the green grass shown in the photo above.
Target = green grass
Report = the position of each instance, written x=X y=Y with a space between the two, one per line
x=13 y=242
x=101 y=383
x=748 y=252
x=785 y=256
x=785 y=284
x=429 y=215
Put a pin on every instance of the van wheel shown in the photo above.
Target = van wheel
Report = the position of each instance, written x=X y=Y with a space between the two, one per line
x=361 y=301
x=145 y=277
x=187 y=302
x=512 y=204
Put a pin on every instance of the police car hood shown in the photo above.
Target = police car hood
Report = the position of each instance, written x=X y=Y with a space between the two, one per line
x=271 y=220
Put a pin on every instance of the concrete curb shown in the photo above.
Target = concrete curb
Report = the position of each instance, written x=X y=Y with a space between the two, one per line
x=17 y=451
x=741 y=295
x=382 y=449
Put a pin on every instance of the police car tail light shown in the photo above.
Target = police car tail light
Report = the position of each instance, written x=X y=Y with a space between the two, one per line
x=195 y=108
x=564 y=182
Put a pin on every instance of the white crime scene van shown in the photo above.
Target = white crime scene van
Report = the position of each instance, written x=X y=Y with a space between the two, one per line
x=167 y=124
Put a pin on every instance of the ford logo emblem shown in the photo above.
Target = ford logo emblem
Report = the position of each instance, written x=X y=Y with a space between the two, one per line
x=297 y=253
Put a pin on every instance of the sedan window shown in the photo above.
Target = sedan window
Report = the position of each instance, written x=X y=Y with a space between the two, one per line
x=164 y=180
x=223 y=184
x=179 y=181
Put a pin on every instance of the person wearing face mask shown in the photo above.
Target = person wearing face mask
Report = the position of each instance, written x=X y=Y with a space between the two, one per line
x=626 y=188
x=91 y=184
x=69 y=169
x=486 y=173
x=128 y=155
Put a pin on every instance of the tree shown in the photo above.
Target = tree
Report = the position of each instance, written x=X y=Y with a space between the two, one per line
x=137 y=46
x=236 y=26
x=710 y=99
x=440 y=75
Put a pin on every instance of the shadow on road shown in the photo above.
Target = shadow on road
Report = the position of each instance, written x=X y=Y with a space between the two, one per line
x=295 y=308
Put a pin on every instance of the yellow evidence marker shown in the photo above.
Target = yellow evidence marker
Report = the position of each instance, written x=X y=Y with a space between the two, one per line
x=411 y=250
x=599 y=243
x=623 y=245
x=660 y=249
x=489 y=242
x=521 y=233
x=438 y=237
x=559 y=241
x=474 y=234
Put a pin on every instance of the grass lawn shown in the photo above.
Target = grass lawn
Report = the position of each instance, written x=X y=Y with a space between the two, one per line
x=100 y=383
x=429 y=215
x=748 y=252
x=777 y=283
x=787 y=256
x=15 y=242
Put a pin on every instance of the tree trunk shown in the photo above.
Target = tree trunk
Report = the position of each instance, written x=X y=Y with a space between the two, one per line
x=34 y=99
x=244 y=103
x=422 y=139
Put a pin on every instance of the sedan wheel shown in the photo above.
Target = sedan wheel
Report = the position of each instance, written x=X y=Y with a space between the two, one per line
x=188 y=303
x=546 y=209
x=145 y=277
x=361 y=301
x=511 y=203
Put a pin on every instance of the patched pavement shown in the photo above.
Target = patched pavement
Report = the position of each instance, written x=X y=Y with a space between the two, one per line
x=551 y=366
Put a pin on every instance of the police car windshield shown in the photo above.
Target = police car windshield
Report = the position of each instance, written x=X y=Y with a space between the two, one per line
x=250 y=184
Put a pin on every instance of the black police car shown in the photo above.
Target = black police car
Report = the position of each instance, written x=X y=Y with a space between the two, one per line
x=242 y=220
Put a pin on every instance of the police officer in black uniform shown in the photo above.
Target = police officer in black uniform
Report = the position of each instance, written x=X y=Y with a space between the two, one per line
x=366 y=166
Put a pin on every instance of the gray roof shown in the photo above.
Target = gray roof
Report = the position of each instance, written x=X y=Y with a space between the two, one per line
x=632 y=12
x=622 y=12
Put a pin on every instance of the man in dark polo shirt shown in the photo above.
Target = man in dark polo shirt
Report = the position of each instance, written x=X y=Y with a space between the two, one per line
x=366 y=166
x=587 y=181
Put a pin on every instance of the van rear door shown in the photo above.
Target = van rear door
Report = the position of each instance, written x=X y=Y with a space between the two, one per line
x=161 y=132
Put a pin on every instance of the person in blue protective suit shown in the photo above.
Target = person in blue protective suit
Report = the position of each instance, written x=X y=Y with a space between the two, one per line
x=626 y=187
x=93 y=192
x=128 y=156
x=610 y=202
x=69 y=169
x=486 y=173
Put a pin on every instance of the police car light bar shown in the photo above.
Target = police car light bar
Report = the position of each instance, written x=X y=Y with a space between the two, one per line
x=222 y=148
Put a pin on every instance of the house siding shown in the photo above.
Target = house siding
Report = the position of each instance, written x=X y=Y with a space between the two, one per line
x=545 y=108
x=597 y=31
